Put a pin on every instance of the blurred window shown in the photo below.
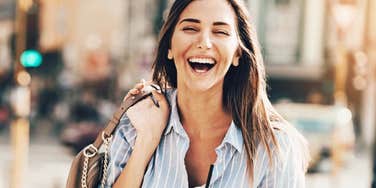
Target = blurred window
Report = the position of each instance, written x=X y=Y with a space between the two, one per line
x=280 y=30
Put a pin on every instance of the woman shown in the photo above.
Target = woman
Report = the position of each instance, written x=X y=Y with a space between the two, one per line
x=211 y=72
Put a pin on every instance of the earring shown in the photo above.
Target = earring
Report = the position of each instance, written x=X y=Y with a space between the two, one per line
x=169 y=55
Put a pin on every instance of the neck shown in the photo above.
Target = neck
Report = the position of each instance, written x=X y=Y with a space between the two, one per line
x=202 y=112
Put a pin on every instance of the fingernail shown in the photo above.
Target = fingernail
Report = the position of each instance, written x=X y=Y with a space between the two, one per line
x=155 y=87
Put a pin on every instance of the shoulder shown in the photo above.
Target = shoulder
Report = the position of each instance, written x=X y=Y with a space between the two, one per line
x=291 y=145
x=287 y=164
x=125 y=125
x=125 y=131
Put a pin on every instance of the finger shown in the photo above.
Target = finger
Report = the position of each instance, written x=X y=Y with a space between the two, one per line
x=143 y=81
x=148 y=86
x=134 y=91
x=131 y=93
x=139 y=86
x=156 y=87
x=127 y=96
x=151 y=87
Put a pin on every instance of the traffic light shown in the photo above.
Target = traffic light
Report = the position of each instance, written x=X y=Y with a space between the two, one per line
x=31 y=58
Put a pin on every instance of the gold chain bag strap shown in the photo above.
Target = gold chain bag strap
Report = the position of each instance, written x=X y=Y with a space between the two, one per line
x=89 y=167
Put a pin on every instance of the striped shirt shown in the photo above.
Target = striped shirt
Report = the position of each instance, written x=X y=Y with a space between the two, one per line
x=167 y=168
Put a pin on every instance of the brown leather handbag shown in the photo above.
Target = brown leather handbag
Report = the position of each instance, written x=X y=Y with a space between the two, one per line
x=89 y=167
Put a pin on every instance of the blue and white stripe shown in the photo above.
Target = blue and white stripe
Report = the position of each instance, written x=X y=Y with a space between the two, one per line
x=167 y=168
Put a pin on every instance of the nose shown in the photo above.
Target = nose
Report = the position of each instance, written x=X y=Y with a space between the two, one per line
x=205 y=41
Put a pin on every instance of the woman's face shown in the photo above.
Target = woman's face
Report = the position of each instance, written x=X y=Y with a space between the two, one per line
x=204 y=44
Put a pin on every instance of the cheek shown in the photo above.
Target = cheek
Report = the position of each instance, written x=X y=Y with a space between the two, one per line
x=228 y=54
x=180 y=44
x=227 y=48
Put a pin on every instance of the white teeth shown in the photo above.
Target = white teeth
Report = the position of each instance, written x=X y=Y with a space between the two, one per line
x=201 y=60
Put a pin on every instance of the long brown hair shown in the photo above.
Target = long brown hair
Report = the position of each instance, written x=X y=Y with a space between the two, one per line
x=244 y=90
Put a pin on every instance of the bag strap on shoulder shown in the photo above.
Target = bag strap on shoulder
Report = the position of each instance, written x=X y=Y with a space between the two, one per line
x=111 y=125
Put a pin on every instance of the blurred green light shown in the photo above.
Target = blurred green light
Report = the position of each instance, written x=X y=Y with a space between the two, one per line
x=31 y=58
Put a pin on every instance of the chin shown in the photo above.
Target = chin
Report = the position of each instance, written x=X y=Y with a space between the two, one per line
x=201 y=86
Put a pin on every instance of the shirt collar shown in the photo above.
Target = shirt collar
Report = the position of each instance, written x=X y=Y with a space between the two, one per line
x=174 y=121
x=233 y=136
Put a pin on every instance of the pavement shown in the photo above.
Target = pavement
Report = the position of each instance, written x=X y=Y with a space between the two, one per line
x=48 y=164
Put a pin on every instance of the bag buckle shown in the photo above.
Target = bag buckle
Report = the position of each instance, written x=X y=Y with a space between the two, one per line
x=105 y=137
x=87 y=151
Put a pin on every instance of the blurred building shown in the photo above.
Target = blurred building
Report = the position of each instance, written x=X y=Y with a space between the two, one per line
x=103 y=38
x=314 y=50
x=91 y=49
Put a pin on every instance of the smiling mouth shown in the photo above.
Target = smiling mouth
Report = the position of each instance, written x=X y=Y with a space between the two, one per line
x=201 y=65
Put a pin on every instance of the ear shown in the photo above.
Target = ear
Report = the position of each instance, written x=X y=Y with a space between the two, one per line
x=235 y=61
x=169 y=54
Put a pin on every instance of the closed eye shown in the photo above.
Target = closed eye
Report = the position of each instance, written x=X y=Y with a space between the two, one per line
x=222 y=32
x=190 y=29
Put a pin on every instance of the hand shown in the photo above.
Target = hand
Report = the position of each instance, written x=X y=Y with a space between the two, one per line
x=148 y=119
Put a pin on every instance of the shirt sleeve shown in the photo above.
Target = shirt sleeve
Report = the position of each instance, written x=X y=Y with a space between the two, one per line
x=120 y=149
x=288 y=165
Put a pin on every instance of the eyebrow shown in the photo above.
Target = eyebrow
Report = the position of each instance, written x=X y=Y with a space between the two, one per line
x=198 y=21
x=221 y=23
x=190 y=20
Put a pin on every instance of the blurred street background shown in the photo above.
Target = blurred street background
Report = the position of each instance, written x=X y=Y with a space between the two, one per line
x=65 y=66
